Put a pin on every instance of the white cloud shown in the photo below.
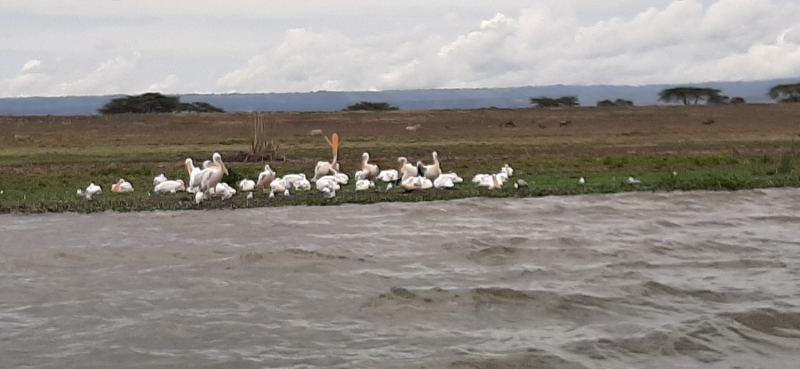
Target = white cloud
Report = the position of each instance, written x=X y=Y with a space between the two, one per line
x=258 y=46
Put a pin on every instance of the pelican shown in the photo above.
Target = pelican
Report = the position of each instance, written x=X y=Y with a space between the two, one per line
x=302 y=185
x=443 y=181
x=159 y=178
x=170 y=186
x=224 y=190
x=454 y=177
x=265 y=178
x=371 y=170
x=406 y=169
x=90 y=191
x=496 y=182
x=278 y=185
x=212 y=174
x=290 y=179
x=327 y=182
x=341 y=178
x=430 y=171
x=329 y=192
x=324 y=168
x=389 y=175
x=199 y=196
x=582 y=181
x=195 y=174
x=416 y=183
x=633 y=180
x=122 y=186
x=509 y=171
x=481 y=178
x=249 y=195
x=364 y=184
x=247 y=185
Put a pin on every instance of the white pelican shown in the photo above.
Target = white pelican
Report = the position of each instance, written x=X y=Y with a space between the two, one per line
x=370 y=170
x=341 y=178
x=290 y=179
x=247 y=185
x=212 y=174
x=278 y=185
x=633 y=180
x=265 y=178
x=481 y=178
x=406 y=169
x=454 y=177
x=324 y=168
x=389 y=175
x=364 y=184
x=509 y=171
x=199 y=196
x=249 y=195
x=581 y=181
x=302 y=185
x=90 y=191
x=327 y=182
x=224 y=190
x=443 y=181
x=416 y=183
x=496 y=182
x=170 y=186
x=329 y=192
x=159 y=178
x=431 y=171
x=122 y=186
x=195 y=174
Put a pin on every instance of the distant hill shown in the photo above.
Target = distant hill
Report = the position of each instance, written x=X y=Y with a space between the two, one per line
x=512 y=97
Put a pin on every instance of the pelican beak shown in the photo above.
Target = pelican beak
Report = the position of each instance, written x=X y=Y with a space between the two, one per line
x=225 y=169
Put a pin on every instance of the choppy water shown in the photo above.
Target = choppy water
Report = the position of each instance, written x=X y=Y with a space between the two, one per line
x=621 y=281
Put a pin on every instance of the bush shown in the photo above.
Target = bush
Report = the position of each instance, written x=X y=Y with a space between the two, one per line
x=154 y=102
x=371 y=106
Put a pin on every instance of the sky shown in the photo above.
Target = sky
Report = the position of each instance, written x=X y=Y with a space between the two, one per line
x=104 y=47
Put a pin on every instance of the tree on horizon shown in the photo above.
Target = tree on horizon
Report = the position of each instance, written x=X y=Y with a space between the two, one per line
x=691 y=95
x=154 y=102
x=549 y=102
x=785 y=93
x=370 y=106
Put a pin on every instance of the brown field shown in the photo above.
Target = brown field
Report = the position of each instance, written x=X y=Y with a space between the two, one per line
x=457 y=134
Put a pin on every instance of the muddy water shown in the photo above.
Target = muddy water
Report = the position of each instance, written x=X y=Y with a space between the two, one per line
x=621 y=281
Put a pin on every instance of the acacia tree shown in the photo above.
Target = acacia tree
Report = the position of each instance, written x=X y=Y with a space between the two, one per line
x=617 y=102
x=371 y=106
x=785 y=93
x=691 y=95
x=153 y=102
x=549 y=102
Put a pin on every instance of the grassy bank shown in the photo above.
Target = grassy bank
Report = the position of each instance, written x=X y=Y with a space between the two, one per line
x=51 y=187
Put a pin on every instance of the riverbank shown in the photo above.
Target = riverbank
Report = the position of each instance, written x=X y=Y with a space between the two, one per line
x=46 y=159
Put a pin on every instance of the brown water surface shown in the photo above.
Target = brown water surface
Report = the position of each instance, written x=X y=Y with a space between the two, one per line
x=637 y=280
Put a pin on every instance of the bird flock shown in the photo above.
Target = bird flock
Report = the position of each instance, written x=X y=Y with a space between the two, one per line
x=205 y=181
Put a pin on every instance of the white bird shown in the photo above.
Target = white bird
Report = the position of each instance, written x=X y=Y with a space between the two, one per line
x=389 y=175
x=443 y=181
x=277 y=185
x=364 y=184
x=406 y=169
x=122 y=186
x=224 y=190
x=159 y=178
x=482 y=180
x=170 y=186
x=199 y=196
x=430 y=171
x=509 y=171
x=265 y=178
x=286 y=192
x=327 y=182
x=90 y=191
x=341 y=178
x=370 y=170
x=247 y=185
x=454 y=177
x=492 y=182
x=582 y=181
x=633 y=180
x=212 y=174
x=520 y=184
x=324 y=168
x=361 y=174
x=329 y=192
x=302 y=185
x=416 y=183
x=290 y=179
x=388 y=187
x=195 y=175
x=249 y=195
